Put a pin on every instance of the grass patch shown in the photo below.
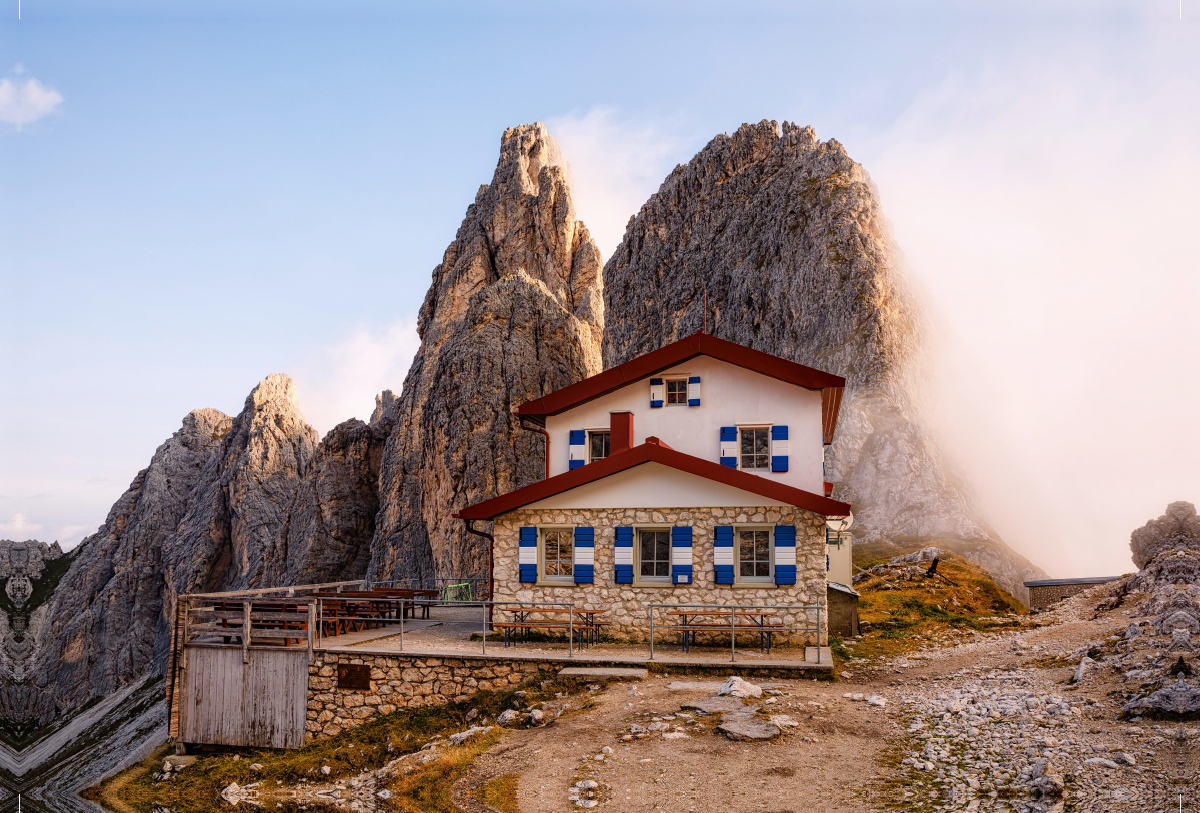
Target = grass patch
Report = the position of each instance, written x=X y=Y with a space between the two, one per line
x=501 y=793
x=427 y=789
x=197 y=788
x=908 y=614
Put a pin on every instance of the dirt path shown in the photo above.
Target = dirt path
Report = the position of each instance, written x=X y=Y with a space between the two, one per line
x=827 y=763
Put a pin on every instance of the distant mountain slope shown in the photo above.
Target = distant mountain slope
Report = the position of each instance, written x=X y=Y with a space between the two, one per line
x=784 y=236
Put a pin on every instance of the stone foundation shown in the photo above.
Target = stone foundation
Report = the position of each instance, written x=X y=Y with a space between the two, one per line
x=625 y=605
x=400 y=681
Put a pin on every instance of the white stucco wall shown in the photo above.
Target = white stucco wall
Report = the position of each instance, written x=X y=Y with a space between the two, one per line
x=730 y=396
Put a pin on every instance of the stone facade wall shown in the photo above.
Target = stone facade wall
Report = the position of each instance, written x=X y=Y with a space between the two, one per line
x=401 y=681
x=625 y=605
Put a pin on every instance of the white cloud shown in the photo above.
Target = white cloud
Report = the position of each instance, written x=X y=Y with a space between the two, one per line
x=615 y=166
x=340 y=382
x=19 y=528
x=24 y=101
x=69 y=536
x=1046 y=211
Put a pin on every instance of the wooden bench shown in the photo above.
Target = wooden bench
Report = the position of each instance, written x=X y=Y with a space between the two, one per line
x=764 y=631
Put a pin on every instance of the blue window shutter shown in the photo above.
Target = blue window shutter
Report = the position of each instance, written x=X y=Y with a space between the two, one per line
x=729 y=446
x=681 y=554
x=779 y=448
x=623 y=555
x=656 y=393
x=694 y=390
x=723 y=554
x=528 y=555
x=785 y=554
x=585 y=555
x=578 y=449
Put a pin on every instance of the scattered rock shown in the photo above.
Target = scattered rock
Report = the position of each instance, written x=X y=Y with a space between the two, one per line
x=744 y=726
x=737 y=687
x=509 y=716
x=463 y=736
x=714 y=705
x=1085 y=664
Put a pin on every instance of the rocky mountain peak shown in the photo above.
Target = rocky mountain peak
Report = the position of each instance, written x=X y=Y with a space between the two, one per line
x=515 y=310
x=784 y=237
x=523 y=220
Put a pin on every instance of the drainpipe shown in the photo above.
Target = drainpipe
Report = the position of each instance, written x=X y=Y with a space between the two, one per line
x=545 y=434
x=491 y=553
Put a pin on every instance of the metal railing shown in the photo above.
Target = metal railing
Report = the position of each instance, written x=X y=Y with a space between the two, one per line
x=450 y=588
x=736 y=611
x=402 y=604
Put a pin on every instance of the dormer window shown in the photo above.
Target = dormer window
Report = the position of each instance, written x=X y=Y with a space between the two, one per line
x=755 y=448
x=677 y=392
x=599 y=444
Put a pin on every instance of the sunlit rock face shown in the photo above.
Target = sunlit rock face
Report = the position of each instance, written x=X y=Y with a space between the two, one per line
x=782 y=236
x=515 y=311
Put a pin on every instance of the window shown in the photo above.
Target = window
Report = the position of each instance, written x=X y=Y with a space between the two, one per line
x=558 y=554
x=677 y=391
x=598 y=444
x=754 y=554
x=654 y=555
x=756 y=448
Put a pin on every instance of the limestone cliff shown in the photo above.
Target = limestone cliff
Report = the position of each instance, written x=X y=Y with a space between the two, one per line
x=515 y=311
x=784 y=234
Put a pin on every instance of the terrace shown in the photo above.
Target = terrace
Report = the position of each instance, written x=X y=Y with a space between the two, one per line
x=262 y=651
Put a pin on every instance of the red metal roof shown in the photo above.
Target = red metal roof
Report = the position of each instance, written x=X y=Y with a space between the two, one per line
x=654 y=451
x=698 y=344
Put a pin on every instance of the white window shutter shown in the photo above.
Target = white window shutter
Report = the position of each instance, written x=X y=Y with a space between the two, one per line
x=585 y=555
x=656 y=393
x=527 y=554
x=578 y=449
x=694 y=390
x=785 y=554
x=681 y=554
x=729 y=446
x=779 y=448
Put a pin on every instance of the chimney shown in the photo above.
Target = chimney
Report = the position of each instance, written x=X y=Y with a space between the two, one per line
x=620 y=427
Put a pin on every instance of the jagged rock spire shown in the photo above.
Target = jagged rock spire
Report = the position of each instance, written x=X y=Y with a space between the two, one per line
x=515 y=310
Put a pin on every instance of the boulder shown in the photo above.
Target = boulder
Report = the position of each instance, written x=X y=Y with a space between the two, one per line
x=737 y=687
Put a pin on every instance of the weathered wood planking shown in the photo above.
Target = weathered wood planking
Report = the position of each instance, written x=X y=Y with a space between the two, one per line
x=261 y=703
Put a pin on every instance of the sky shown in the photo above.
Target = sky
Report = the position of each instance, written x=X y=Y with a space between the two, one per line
x=194 y=195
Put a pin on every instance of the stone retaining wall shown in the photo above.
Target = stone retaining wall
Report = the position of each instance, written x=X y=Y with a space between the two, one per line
x=402 y=681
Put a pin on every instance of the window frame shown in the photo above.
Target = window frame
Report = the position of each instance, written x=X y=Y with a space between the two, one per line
x=588 y=436
x=667 y=381
x=650 y=581
x=766 y=427
x=543 y=577
x=755 y=581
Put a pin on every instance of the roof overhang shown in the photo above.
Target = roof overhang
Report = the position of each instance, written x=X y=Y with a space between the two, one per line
x=1065 y=582
x=698 y=344
x=654 y=450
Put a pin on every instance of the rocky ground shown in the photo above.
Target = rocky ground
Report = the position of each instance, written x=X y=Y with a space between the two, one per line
x=1090 y=706
x=992 y=722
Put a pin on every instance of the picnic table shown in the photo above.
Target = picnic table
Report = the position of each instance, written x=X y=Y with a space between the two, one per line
x=269 y=621
x=525 y=619
x=757 y=621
